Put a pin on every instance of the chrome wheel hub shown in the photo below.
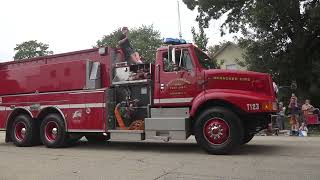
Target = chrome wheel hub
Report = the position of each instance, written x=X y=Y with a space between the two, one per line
x=215 y=131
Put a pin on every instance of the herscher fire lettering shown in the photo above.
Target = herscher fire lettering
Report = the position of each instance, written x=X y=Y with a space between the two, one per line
x=226 y=78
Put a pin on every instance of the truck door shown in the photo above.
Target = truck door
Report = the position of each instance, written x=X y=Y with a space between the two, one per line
x=176 y=80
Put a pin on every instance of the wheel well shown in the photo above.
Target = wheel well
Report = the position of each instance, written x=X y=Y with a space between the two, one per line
x=50 y=110
x=12 y=116
x=220 y=103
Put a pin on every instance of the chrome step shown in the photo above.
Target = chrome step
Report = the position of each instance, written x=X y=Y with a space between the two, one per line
x=134 y=135
x=170 y=112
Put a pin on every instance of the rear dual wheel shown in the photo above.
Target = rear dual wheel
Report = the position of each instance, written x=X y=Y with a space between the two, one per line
x=24 y=131
x=52 y=131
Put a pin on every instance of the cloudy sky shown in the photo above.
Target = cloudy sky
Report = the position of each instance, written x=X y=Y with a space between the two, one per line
x=69 y=25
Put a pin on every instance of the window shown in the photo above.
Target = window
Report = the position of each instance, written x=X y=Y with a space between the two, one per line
x=186 y=61
x=204 y=59
x=182 y=60
x=231 y=67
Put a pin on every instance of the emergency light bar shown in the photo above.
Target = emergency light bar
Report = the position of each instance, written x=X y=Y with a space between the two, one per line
x=174 y=41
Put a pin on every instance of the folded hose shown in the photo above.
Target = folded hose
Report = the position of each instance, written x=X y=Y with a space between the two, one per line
x=118 y=117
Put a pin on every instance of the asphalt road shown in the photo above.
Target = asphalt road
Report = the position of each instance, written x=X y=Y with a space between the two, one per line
x=263 y=158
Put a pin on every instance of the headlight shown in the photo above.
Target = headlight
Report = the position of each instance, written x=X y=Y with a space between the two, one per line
x=275 y=87
x=275 y=106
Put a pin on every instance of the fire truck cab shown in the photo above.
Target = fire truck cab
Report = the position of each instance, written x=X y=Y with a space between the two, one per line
x=56 y=100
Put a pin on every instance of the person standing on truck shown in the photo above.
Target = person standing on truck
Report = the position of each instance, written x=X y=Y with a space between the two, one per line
x=125 y=45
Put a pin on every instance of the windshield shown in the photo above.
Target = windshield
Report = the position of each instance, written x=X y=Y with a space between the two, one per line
x=204 y=60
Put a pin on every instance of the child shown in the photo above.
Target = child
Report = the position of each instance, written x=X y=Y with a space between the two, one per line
x=303 y=130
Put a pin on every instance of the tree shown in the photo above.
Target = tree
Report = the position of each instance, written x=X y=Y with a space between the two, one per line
x=200 y=38
x=144 y=39
x=281 y=37
x=30 y=49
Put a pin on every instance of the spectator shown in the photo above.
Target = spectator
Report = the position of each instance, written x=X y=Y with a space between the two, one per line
x=303 y=130
x=307 y=108
x=281 y=116
x=293 y=106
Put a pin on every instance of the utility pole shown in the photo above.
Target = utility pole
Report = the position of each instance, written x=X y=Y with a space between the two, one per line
x=179 y=21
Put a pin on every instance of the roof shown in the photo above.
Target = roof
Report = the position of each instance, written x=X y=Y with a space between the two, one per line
x=49 y=56
x=221 y=49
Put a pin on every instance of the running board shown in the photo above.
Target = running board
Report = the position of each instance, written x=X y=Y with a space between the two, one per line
x=130 y=135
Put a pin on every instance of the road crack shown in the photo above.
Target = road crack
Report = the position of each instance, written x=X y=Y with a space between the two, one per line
x=168 y=172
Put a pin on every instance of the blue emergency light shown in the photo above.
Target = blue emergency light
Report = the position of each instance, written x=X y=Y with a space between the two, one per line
x=174 y=41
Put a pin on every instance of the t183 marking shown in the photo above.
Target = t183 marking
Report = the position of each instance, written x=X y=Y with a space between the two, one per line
x=253 y=107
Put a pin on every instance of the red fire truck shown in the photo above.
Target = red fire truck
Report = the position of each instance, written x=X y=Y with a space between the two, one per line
x=56 y=100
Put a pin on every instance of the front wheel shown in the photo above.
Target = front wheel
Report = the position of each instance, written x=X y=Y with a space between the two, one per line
x=218 y=131
x=52 y=131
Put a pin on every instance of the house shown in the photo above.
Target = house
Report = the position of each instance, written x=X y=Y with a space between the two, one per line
x=229 y=56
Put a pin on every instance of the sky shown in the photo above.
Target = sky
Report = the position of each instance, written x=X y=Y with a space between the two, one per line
x=70 y=25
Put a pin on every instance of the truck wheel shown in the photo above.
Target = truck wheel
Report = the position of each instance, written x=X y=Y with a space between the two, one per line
x=247 y=138
x=52 y=131
x=97 y=138
x=23 y=131
x=218 y=131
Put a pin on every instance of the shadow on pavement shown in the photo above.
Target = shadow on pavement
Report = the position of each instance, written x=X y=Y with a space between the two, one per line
x=261 y=149
x=141 y=147
x=173 y=147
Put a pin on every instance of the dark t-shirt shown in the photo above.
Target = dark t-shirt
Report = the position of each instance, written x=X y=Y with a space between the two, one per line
x=126 y=44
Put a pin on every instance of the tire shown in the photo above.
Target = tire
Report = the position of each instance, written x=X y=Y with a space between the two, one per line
x=218 y=131
x=24 y=131
x=97 y=138
x=247 y=138
x=52 y=131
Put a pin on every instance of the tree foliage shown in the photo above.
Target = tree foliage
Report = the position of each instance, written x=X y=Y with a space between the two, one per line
x=144 y=39
x=201 y=40
x=30 y=49
x=282 y=37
